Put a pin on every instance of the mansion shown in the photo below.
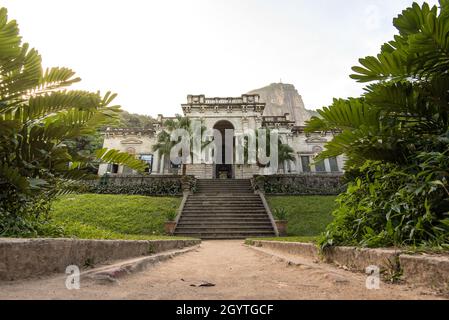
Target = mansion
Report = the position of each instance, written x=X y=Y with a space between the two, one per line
x=279 y=107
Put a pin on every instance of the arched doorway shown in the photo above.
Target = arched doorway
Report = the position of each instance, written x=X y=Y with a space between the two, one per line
x=224 y=168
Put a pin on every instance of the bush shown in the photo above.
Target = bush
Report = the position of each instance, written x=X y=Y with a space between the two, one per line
x=300 y=184
x=171 y=216
x=25 y=215
x=389 y=205
x=154 y=189
x=280 y=214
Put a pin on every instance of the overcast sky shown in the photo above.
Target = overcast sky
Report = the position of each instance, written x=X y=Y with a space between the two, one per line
x=155 y=53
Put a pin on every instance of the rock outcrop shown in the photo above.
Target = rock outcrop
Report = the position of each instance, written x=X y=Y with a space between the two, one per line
x=282 y=99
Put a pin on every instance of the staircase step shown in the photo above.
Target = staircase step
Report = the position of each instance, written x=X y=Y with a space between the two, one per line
x=230 y=199
x=224 y=216
x=215 y=210
x=227 y=235
x=227 y=203
x=214 y=192
x=224 y=231
x=224 y=206
x=224 y=196
x=228 y=224
x=225 y=200
x=224 y=228
x=201 y=219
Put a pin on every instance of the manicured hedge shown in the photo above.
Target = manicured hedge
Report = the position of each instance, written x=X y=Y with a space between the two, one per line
x=146 y=186
x=305 y=184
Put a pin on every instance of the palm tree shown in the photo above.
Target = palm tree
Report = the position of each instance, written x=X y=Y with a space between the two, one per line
x=164 y=144
x=285 y=152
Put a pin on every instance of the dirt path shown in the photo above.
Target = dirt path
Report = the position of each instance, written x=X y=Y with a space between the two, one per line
x=238 y=272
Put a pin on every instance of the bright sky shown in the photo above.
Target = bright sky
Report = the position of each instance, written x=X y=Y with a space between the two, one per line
x=155 y=53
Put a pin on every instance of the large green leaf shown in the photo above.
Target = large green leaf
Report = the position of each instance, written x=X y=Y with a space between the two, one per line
x=123 y=158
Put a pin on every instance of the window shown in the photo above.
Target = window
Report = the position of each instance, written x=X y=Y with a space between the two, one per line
x=305 y=161
x=334 y=164
x=112 y=168
x=148 y=159
x=320 y=167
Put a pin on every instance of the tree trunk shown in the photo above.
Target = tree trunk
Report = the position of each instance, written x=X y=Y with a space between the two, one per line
x=184 y=169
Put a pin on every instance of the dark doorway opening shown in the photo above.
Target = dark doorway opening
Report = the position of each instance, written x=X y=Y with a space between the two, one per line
x=225 y=169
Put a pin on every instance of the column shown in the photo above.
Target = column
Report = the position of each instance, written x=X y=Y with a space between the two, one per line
x=162 y=164
x=155 y=168
x=298 y=164
x=327 y=165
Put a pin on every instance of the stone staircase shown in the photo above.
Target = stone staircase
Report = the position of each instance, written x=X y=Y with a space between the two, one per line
x=224 y=209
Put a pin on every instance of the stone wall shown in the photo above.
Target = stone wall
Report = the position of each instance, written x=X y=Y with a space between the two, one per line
x=428 y=270
x=200 y=171
x=301 y=184
x=25 y=258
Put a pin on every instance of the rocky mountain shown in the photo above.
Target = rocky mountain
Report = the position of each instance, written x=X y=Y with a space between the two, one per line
x=283 y=98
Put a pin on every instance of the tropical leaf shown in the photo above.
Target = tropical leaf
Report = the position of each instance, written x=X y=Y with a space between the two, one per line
x=421 y=49
x=123 y=158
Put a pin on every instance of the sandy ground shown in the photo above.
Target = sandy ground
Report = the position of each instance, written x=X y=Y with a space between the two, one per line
x=237 y=271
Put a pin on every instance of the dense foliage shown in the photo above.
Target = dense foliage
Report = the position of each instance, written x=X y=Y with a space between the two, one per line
x=396 y=139
x=135 y=121
x=41 y=123
x=300 y=184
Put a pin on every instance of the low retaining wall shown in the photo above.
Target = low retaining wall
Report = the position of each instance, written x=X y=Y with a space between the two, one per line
x=427 y=270
x=431 y=271
x=358 y=259
x=302 y=249
x=25 y=258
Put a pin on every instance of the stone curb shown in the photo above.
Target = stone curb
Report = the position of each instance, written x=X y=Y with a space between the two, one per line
x=113 y=272
x=431 y=271
x=426 y=270
x=303 y=249
x=28 y=258
x=358 y=259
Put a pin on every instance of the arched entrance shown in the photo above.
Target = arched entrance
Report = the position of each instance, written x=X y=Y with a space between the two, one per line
x=224 y=168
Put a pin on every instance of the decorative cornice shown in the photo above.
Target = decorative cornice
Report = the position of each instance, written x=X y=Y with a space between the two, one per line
x=124 y=132
x=131 y=141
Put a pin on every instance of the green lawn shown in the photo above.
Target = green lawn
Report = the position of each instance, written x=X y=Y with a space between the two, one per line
x=308 y=216
x=92 y=216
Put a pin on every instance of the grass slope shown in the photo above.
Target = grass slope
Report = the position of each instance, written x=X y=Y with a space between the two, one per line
x=308 y=216
x=92 y=216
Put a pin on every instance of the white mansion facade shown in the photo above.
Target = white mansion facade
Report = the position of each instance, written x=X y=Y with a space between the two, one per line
x=248 y=112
